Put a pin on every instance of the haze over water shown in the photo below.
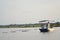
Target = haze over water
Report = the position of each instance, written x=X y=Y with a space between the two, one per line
x=28 y=11
x=28 y=34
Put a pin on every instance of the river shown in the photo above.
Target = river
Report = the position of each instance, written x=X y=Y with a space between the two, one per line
x=28 y=34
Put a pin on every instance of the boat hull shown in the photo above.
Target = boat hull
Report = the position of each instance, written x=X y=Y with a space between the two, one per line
x=47 y=30
x=44 y=30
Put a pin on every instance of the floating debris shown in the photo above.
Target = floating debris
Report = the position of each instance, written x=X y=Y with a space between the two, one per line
x=35 y=29
x=13 y=31
x=25 y=30
x=18 y=30
x=4 y=32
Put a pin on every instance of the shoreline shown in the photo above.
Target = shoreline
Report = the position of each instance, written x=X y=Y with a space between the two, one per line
x=19 y=27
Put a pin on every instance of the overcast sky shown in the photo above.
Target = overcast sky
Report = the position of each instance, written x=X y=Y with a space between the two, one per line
x=28 y=11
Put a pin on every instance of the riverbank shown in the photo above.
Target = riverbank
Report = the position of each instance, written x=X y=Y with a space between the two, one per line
x=19 y=27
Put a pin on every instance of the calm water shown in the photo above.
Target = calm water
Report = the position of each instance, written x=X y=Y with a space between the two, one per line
x=28 y=34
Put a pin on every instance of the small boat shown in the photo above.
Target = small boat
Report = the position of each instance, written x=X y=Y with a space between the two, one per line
x=45 y=27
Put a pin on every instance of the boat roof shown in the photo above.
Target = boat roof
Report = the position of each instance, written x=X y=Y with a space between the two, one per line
x=44 y=21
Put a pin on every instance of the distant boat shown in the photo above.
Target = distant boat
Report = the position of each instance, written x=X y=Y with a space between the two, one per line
x=45 y=27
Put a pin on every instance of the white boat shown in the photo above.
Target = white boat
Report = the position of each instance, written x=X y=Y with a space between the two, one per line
x=46 y=26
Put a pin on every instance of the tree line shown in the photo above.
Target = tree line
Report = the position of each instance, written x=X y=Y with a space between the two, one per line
x=56 y=24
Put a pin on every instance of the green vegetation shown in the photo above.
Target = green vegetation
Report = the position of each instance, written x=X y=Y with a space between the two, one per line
x=21 y=26
x=56 y=24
